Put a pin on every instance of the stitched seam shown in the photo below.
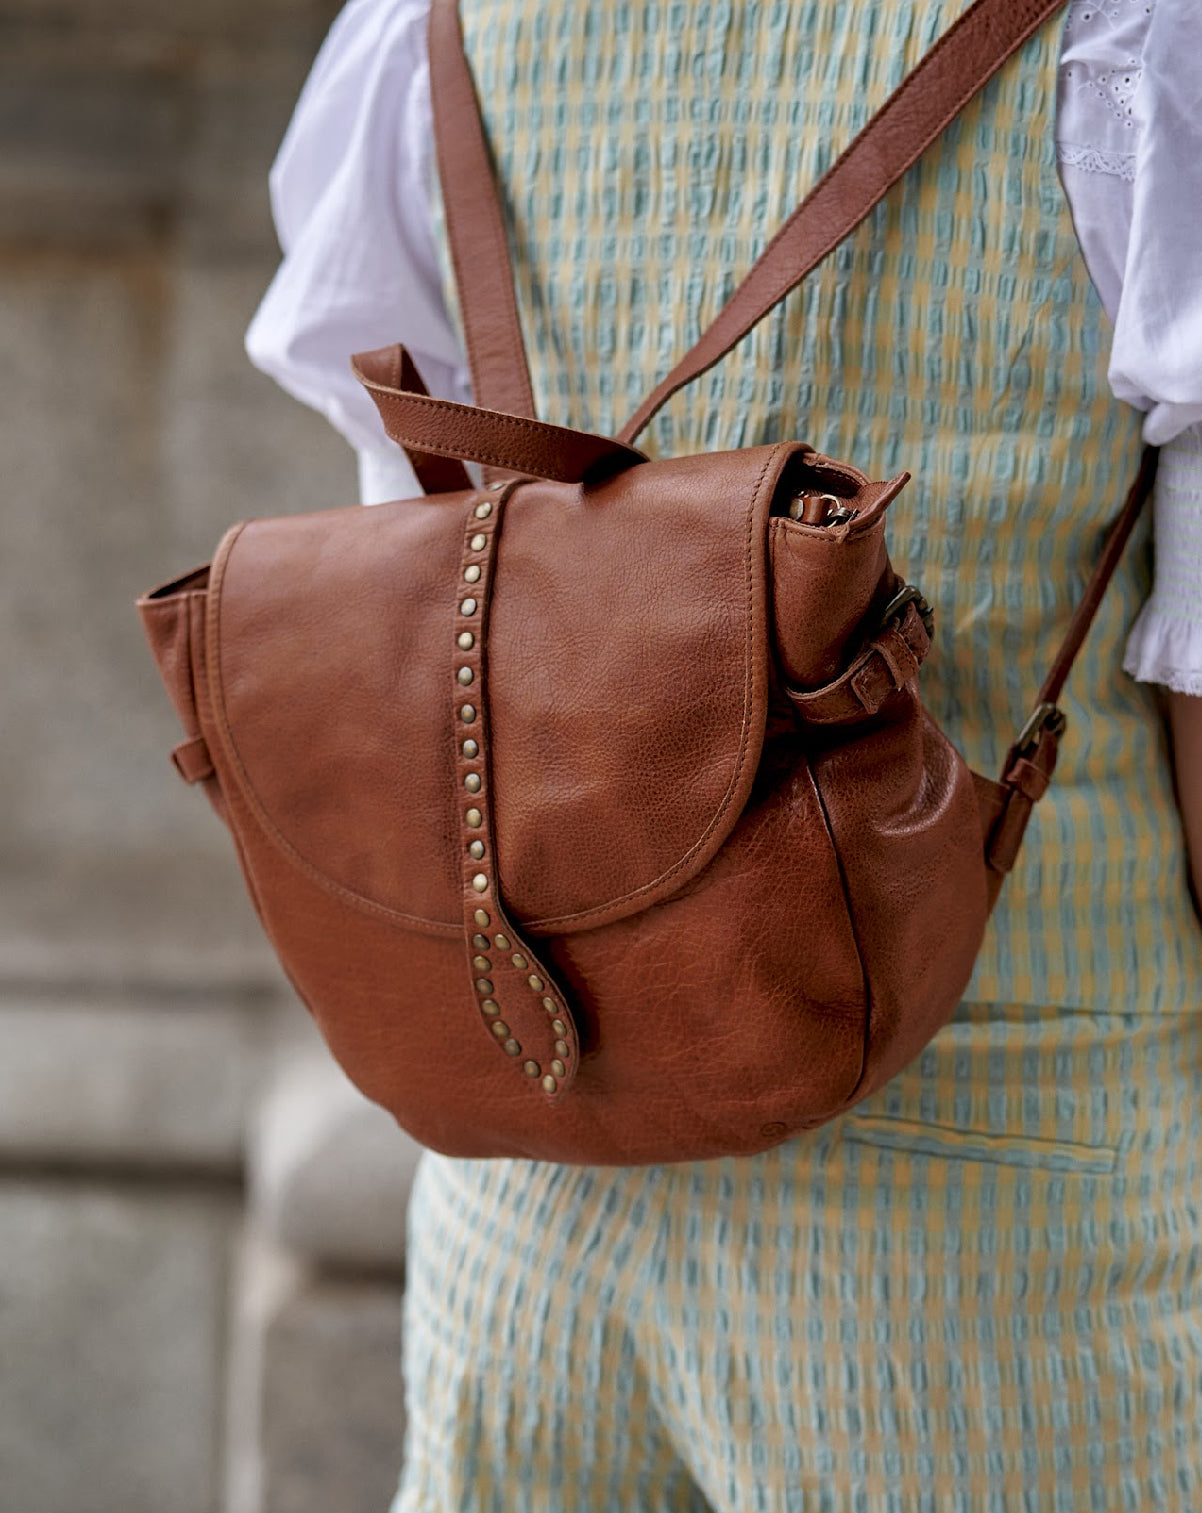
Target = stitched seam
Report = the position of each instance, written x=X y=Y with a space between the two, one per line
x=596 y=448
x=978 y=1144
x=845 y=893
x=741 y=760
x=268 y=826
x=499 y=417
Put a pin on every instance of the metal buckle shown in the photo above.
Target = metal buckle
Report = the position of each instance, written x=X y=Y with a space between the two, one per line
x=909 y=595
x=1043 y=717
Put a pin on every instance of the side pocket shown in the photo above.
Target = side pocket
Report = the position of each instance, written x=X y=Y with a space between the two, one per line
x=916 y=1137
x=173 y=619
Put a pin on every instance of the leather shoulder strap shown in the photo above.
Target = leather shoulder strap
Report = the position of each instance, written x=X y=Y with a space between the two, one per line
x=960 y=64
x=476 y=234
x=927 y=100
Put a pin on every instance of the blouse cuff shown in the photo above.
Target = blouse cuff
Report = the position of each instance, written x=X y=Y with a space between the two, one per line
x=1167 y=651
x=1165 y=645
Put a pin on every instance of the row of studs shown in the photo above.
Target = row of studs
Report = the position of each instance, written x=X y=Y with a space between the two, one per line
x=466 y=641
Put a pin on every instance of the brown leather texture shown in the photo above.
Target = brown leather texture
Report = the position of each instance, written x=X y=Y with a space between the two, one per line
x=739 y=921
x=595 y=813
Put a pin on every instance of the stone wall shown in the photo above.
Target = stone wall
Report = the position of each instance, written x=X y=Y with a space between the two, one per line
x=177 y=1333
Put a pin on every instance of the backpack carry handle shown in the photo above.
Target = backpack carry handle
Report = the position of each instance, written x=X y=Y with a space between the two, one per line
x=504 y=444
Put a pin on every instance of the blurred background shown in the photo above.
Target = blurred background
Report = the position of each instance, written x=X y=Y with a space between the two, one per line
x=201 y=1225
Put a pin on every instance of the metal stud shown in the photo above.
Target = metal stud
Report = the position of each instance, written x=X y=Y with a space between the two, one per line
x=561 y=1048
x=491 y=1006
x=480 y=883
x=470 y=749
x=476 y=852
x=499 y=485
x=468 y=607
x=501 y=942
x=531 y=1068
x=465 y=675
x=559 y=1027
x=465 y=640
x=537 y=984
x=474 y=818
x=549 y=1084
x=550 y=1005
x=484 y=510
x=480 y=942
x=478 y=542
x=513 y=1047
x=483 y=986
x=481 y=963
x=558 y=1068
x=471 y=573
x=500 y=1029
x=468 y=713
x=473 y=782
x=519 y=961
x=482 y=919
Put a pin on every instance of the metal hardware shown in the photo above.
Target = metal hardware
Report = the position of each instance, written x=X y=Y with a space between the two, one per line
x=909 y=595
x=1043 y=717
x=819 y=509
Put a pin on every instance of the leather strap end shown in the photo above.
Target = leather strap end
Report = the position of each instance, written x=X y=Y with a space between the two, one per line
x=191 y=759
x=890 y=662
x=1027 y=778
x=393 y=368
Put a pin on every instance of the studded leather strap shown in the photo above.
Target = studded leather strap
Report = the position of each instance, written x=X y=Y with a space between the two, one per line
x=523 y=1011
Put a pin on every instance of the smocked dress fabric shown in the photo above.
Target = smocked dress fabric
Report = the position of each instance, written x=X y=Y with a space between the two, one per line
x=981 y=1290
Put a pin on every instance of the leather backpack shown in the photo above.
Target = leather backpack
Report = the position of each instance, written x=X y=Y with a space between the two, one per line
x=594 y=811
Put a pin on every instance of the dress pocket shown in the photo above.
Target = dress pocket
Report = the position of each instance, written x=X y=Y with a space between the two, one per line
x=917 y=1137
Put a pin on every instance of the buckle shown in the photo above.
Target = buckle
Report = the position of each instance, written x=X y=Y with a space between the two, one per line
x=908 y=595
x=1043 y=717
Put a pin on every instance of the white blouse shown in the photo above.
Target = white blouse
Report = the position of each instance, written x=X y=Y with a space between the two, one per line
x=351 y=199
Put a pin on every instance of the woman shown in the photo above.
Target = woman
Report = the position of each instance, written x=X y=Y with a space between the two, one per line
x=982 y=1289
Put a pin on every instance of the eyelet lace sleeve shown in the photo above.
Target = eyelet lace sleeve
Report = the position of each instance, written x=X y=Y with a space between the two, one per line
x=1129 y=147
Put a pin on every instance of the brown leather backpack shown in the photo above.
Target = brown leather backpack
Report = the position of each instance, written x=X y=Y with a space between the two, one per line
x=594 y=812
